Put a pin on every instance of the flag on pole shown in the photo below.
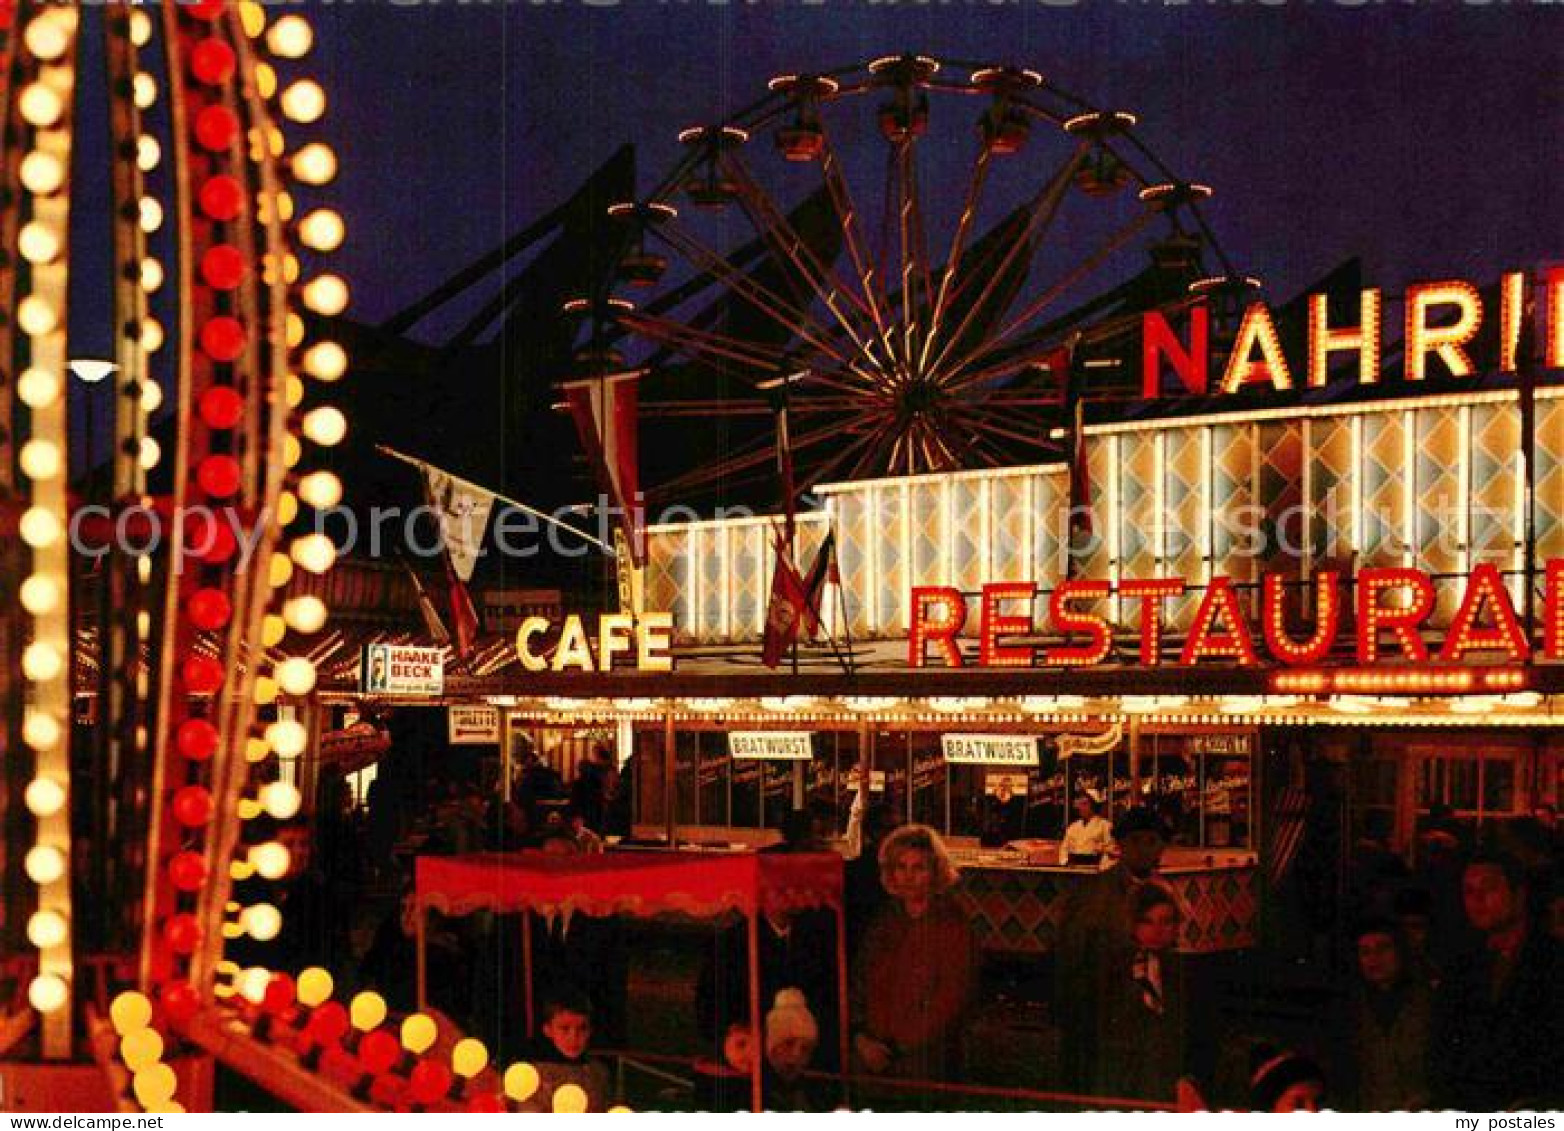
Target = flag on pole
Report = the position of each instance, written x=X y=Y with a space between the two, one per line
x=822 y=573
x=787 y=610
x=464 y=618
x=785 y=472
x=463 y=510
x=605 y=410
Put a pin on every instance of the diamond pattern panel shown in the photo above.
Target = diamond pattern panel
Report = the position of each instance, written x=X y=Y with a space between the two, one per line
x=965 y=530
x=749 y=573
x=1331 y=477
x=1384 y=472
x=1184 y=496
x=1007 y=524
x=854 y=542
x=1438 y=499
x=1279 y=494
x=1549 y=480
x=1233 y=455
x=666 y=556
x=1496 y=478
x=1050 y=498
x=891 y=566
x=710 y=552
x=1140 y=518
x=926 y=514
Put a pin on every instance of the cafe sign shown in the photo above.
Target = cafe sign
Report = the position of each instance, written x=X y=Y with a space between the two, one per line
x=772 y=745
x=989 y=749
x=394 y=669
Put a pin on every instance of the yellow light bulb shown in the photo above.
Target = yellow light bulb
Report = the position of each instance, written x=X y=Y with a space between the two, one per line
x=265 y=691
x=290 y=38
x=251 y=983
x=241 y=870
x=140 y=1049
x=313 y=552
x=305 y=614
x=280 y=571
x=273 y=629
x=304 y=102
x=41 y=662
x=569 y=1099
x=315 y=164
x=287 y=508
x=42 y=173
x=247 y=809
x=47 y=929
x=270 y=860
x=314 y=987
x=325 y=361
x=44 y=864
x=38 y=242
x=252 y=17
x=44 y=797
x=38 y=388
x=281 y=800
x=154 y=1086
x=327 y=295
x=47 y=37
x=150 y=214
x=266 y=79
x=521 y=1082
x=40 y=527
x=322 y=230
x=148 y=153
x=144 y=90
x=41 y=731
x=36 y=315
x=40 y=595
x=287 y=737
x=262 y=921
x=469 y=1057
x=40 y=105
x=151 y=335
x=326 y=426
x=293 y=333
x=40 y=460
x=47 y=993
x=321 y=490
x=296 y=676
x=418 y=1033
x=366 y=1011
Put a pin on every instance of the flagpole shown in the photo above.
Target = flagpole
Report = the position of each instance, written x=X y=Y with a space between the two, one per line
x=423 y=465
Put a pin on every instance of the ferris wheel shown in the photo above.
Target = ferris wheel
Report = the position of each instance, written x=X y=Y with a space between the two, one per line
x=961 y=240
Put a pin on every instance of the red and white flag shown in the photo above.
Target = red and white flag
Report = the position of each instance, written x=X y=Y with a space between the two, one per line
x=606 y=413
x=822 y=573
x=463 y=510
x=788 y=609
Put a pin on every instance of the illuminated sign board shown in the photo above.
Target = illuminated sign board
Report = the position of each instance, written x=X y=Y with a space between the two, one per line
x=1442 y=320
x=772 y=745
x=473 y=726
x=989 y=749
x=391 y=669
x=643 y=642
x=1390 y=607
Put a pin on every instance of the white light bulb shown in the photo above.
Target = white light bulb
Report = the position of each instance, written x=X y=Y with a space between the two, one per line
x=150 y=213
x=38 y=242
x=281 y=800
x=140 y=28
x=305 y=614
x=296 y=676
x=44 y=864
x=41 y=731
x=36 y=315
x=42 y=173
x=40 y=105
x=47 y=993
x=144 y=90
x=40 y=527
x=151 y=335
x=151 y=396
x=40 y=595
x=290 y=38
x=44 y=797
x=41 y=662
x=151 y=275
x=322 y=230
x=46 y=929
x=315 y=164
x=262 y=921
x=326 y=426
x=326 y=361
x=287 y=737
x=148 y=153
x=321 y=490
x=313 y=552
x=150 y=453
x=271 y=860
x=304 y=102
x=40 y=460
x=38 y=388
x=326 y=295
x=251 y=984
x=47 y=37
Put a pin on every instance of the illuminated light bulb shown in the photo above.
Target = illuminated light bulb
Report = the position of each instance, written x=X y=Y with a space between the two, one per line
x=252 y=17
x=40 y=527
x=273 y=629
x=155 y=1086
x=241 y=870
x=305 y=614
x=620 y=1109
x=326 y=295
x=47 y=993
x=251 y=984
x=144 y=90
x=418 y=1033
x=41 y=731
x=293 y=332
x=304 y=102
x=44 y=797
x=151 y=335
x=40 y=105
x=290 y=38
x=521 y=1082
x=270 y=860
x=41 y=595
x=287 y=508
x=41 y=662
x=569 y=1099
x=262 y=921
x=44 y=864
x=47 y=37
x=151 y=275
x=38 y=388
x=140 y=28
x=315 y=164
x=36 y=315
x=140 y=1049
x=287 y=737
x=148 y=153
x=292 y=451
x=38 y=242
x=42 y=173
x=296 y=676
x=281 y=800
x=46 y=929
x=40 y=460
x=151 y=398
x=322 y=230
x=366 y=1011
x=321 y=490
x=265 y=690
x=247 y=809
x=150 y=453
x=150 y=214
x=314 y=553
x=326 y=426
x=315 y=987
x=266 y=79
x=280 y=570
x=469 y=1057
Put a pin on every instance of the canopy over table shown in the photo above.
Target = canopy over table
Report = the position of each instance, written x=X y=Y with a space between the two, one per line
x=641 y=884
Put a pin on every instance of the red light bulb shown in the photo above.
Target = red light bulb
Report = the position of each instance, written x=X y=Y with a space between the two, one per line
x=279 y=995
x=202 y=674
x=209 y=609
x=192 y=806
x=221 y=197
x=219 y=475
x=486 y=1103
x=429 y=1082
x=187 y=871
x=378 y=1052
x=183 y=935
x=196 y=739
x=179 y=1000
x=222 y=338
x=212 y=62
x=222 y=267
x=216 y=127
x=221 y=407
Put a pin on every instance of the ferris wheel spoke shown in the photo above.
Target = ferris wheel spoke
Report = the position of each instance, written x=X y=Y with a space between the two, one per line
x=852 y=235
x=1040 y=216
x=957 y=248
x=703 y=344
x=909 y=232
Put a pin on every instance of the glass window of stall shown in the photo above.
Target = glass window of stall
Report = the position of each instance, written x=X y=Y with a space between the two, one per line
x=716 y=790
x=1201 y=786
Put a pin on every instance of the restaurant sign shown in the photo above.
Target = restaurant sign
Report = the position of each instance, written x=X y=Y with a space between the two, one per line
x=473 y=726
x=989 y=749
x=772 y=745
x=1390 y=608
x=393 y=669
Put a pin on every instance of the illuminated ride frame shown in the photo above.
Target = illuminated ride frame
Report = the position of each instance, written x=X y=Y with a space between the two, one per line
x=142 y=676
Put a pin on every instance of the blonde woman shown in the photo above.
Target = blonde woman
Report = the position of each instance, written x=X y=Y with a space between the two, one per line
x=913 y=979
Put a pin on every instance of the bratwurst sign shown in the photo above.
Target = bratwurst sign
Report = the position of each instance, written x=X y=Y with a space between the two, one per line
x=1390 y=609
